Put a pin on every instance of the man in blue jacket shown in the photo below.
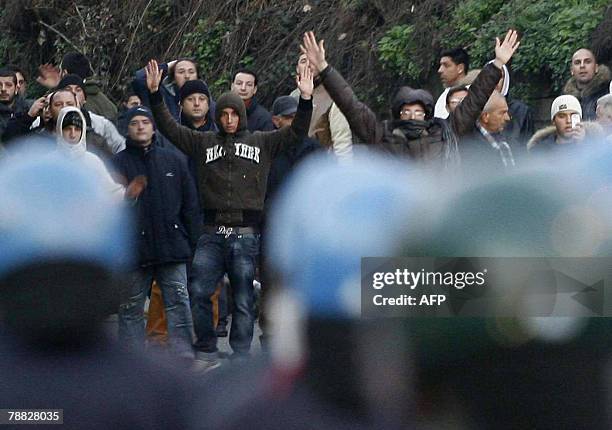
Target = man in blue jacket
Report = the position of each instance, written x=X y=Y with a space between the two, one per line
x=167 y=214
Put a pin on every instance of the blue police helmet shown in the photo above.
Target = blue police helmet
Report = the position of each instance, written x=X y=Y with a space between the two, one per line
x=53 y=209
x=328 y=217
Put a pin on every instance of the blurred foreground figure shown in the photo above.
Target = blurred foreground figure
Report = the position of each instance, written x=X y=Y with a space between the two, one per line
x=519 y=372
x=328 y=369
x=65 y=242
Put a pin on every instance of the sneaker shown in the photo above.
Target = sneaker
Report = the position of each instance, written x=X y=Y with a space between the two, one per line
x=205 y=362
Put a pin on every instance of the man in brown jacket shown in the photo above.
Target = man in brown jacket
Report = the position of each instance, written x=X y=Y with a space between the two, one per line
x=413 y=132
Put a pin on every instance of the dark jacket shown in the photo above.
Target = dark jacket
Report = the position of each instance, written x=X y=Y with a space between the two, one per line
x=232 y=169
x=544 y=142
x=122 y=124
x=588 y=96
x=168 y=89
x=477 y=154
x=433 y=144
x=286 y=161
x=520 y=129
x=97 y=102
x=167 y=208
x=94 y=384
x=20 y=107
x=259 y=119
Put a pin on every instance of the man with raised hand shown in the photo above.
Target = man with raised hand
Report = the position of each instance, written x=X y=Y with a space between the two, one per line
x=413 y=132
x=232 y=171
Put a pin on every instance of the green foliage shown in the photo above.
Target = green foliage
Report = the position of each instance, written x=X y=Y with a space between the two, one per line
x=396 y=51
x=221 y=84
x=205 y=43
x=551 y=32
x=468 y=18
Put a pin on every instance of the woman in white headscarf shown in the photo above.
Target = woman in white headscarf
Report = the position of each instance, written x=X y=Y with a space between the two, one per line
x=71 y=133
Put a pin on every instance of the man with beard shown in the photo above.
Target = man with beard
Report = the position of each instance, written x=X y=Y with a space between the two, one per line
x=11 y=103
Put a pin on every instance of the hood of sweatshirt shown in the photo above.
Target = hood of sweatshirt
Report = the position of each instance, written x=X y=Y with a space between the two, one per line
x=230 y=100
x=408 y=95
x=72 y=149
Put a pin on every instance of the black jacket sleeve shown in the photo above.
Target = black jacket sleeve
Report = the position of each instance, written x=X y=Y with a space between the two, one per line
x=17 y=126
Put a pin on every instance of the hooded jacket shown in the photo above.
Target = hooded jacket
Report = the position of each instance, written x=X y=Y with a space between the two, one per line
x=78 y=151
x=232 y=169
x=97 y=101
x=544 y=141
x=435 y=144
x=167 y=209
x=588 y=96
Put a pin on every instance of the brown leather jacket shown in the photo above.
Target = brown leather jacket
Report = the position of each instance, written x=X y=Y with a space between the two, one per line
x=432 y=145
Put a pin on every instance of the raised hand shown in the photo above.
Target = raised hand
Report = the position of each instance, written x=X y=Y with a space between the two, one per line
x=304 y=81
x=48 y=75
x=314 y=51
x=154 y=76
x=504 y=50
x=37 y=107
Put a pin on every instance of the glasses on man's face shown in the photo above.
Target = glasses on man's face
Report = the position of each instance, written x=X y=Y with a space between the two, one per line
x=412 y=114
x=454 y=102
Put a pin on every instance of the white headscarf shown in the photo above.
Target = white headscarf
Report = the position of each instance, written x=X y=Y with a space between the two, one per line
x=72 y=149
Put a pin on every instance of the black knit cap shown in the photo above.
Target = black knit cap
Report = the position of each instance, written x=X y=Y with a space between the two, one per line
x=71 y=80
x=193 y=87
x=138 y=111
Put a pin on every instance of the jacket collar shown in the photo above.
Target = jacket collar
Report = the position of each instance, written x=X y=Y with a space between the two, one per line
x=600 y=80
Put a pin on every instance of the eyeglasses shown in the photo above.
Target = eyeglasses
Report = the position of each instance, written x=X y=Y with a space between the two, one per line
x=419 y=114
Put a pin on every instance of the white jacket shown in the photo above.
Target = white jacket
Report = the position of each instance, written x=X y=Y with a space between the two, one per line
x=78 y=152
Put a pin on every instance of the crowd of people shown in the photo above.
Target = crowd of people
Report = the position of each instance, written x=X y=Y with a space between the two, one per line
x=199 y=173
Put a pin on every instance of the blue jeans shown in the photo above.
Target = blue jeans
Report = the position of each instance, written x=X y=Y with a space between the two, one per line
x=172 y=281
x=216 y=255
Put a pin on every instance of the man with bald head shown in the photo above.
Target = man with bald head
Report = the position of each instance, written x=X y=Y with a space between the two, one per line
x=589 y=81
x=486 y=147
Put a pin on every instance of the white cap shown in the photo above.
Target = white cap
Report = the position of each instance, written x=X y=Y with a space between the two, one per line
x=565 y=103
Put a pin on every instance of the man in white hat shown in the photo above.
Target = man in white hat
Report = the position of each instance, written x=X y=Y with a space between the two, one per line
x=567 y=127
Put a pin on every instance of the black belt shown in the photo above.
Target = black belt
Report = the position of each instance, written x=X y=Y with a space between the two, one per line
x=227 y=230
x=232 y=217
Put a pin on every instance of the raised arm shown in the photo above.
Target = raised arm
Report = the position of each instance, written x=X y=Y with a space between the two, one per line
x=360 y=117
x=182 y=137
x=467 y=112
x=301 y=123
